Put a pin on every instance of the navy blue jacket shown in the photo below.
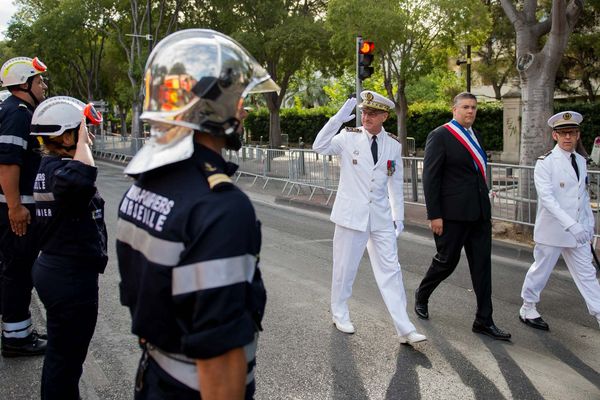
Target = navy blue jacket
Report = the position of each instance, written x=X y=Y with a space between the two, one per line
x=70 y=212
x=17 y=146
x=188 y=244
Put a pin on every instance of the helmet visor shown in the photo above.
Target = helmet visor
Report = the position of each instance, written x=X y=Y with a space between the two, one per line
x=93 y=116
x=38 y=65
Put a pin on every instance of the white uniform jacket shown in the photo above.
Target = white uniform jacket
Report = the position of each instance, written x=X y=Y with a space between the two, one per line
x=365 y=192
x=562 y=199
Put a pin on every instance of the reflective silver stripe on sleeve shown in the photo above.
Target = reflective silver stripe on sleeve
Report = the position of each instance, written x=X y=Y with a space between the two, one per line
x=16 y=140
x=250 y=352
x=48 y=196
x=156 y=250
x=24 y=199
x=213 y=274
x=183 y=368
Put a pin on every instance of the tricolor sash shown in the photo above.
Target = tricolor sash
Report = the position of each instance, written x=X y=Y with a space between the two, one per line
x=464 y=137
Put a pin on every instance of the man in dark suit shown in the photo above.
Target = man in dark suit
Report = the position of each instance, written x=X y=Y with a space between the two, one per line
x=459 y=211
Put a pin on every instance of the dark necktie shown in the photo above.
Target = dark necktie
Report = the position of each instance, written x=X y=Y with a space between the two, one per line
x=574 y=164
x=374 y=149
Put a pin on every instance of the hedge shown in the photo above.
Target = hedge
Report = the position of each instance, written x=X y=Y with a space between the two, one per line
x=590 y=127
x=422 y=119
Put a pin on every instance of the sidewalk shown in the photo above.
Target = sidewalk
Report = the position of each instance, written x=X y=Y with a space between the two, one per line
x=415 y=217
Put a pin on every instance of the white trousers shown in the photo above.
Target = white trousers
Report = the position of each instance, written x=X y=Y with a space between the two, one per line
x=579 y=263
x=348 y=248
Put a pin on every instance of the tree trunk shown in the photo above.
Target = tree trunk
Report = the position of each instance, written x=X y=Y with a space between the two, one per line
x=537 y=92
x=537 y=69
x=497 y=90
x=589 y=87
x=136 y=126
x=123 y=116
x=273 y=104
x=274 y=129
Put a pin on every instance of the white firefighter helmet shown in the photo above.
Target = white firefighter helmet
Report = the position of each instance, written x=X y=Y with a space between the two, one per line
x=19 y=69
x=58 y=114
x=195 y=80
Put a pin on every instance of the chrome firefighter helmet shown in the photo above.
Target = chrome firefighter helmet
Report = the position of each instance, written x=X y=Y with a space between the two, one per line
x=195 y=80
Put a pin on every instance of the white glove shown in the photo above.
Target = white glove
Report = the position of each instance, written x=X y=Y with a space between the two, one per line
x=345 y=113
x=399 y=227
x=581 y=236
x=590 y=232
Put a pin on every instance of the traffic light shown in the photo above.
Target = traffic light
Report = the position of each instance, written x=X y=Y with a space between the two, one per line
x=365 y=58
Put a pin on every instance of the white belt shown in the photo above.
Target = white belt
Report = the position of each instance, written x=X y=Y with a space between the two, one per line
x=24 y=199
x=183 y=368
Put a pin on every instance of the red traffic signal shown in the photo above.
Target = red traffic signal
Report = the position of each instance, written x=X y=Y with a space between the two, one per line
x=365 y=58
x=366 y=48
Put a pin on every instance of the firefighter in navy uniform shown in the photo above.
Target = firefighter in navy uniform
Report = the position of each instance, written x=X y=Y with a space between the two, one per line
x=19 y=162
x=70 y=218
x=188 y=240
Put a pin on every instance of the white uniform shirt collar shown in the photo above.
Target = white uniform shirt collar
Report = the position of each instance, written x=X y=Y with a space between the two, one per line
x=472 y=133
x=371 y=135
x=566 y=154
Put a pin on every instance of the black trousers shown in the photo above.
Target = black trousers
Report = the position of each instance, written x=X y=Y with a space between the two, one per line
x=18 y=253
x=156 y=384
x=476 y=238
x=70 y=295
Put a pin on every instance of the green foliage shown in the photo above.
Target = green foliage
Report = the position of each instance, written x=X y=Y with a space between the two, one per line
x=580 y=67
x=439 y=84
x=590 y=127
x=422 y=119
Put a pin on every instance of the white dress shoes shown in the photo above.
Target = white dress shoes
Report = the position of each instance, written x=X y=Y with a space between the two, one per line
x=345 y=327
x=413 y=337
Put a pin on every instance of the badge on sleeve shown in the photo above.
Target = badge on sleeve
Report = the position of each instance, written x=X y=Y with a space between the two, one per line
x=391 y=167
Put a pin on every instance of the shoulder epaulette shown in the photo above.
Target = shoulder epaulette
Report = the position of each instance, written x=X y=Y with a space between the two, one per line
x=544 y=155
x=217 y=179
x=396 y=138
x=23 y=105
x=353 y=129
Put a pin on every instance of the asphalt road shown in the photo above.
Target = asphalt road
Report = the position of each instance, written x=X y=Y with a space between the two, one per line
x=302 y=356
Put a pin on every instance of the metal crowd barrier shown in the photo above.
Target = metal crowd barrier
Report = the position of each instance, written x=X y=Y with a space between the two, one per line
x=513 y=195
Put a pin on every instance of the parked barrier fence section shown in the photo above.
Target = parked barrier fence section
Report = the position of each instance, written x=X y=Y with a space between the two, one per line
x=512 y=194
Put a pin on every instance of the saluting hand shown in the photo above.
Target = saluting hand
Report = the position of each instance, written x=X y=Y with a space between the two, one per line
x=345 y=113
x=19 y=217
x=85 y=137
x=437 y=226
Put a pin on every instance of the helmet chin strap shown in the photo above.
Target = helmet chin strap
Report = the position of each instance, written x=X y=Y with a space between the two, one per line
x=233 y=141
x=29 y=92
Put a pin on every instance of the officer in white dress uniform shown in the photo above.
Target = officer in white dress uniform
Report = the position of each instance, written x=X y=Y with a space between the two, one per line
x=564 y=223
x=368 y=209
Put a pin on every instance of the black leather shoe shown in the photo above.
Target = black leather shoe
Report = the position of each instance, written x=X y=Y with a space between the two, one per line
x=421 y=309
x=32 y=345
x=537 y=323
x=492 y=331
